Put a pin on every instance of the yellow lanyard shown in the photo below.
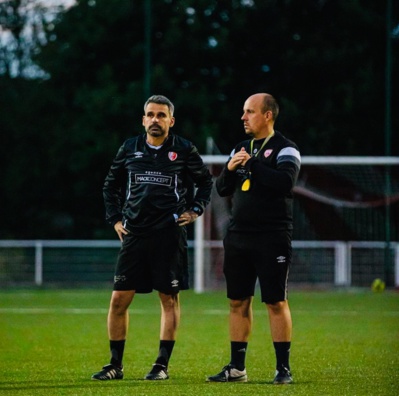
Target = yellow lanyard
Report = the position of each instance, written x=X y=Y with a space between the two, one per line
x=263 y=144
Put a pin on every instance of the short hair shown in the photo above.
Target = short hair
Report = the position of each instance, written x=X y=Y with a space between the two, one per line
x=160 y=99
x=270 y=104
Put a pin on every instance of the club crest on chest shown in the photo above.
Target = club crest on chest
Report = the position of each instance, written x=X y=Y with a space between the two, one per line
x=267 y=153
x=172 y=155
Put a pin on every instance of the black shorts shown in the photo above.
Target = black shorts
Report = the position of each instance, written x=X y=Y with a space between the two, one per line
x=154 y=262
x=252 y=256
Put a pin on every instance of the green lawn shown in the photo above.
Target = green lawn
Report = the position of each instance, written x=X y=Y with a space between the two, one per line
x=345 y=343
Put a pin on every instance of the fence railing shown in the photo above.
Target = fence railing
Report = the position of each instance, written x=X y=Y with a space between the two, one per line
x=341 y=253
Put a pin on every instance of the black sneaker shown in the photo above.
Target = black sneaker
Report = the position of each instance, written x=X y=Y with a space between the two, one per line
x=283 y=376
x=109 y=372
x=229 y=374
x=158 y=372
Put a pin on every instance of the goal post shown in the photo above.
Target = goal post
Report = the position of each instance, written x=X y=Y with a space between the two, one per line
x=338 y=199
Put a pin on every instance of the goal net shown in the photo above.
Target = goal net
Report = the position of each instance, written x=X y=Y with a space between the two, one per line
x=339 y=201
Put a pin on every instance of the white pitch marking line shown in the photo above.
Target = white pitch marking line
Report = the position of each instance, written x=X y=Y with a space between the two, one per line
x=223 y=312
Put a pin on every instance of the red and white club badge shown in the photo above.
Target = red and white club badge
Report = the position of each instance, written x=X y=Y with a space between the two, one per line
x=172 y=155
x=267 y=153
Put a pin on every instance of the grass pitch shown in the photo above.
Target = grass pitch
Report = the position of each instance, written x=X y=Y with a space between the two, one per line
x=344 y=343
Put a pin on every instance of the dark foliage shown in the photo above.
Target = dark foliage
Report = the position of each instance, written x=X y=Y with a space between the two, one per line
x=324 y=60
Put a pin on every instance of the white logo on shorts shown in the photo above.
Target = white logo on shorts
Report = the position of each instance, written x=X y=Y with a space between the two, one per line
x=175 y=283
x=281 y=259
x=119 y=278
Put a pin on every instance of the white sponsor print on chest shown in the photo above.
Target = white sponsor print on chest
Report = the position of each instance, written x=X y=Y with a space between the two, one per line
x=149 y=178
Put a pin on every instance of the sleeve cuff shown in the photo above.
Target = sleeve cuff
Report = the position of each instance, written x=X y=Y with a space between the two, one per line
x=197 y=209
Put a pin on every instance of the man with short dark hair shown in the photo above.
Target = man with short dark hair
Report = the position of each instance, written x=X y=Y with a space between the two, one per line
x=146 y=201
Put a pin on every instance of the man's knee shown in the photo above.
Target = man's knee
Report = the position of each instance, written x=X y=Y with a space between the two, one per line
x=120 y=301
x=277 y=307
x=169 y=301
x=240 y=306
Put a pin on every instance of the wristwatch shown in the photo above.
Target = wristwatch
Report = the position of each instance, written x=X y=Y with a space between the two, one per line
x=197 y=210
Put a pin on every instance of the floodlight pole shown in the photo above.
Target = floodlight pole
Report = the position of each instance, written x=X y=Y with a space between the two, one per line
x=388 y=134
x=147 y=49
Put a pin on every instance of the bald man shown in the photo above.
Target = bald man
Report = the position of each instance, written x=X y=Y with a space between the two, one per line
x=260 y=175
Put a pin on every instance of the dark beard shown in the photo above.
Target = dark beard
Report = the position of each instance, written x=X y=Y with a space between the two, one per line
x=156 y=132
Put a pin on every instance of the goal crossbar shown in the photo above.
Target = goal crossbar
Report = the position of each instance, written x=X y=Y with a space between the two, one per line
x=321 y=160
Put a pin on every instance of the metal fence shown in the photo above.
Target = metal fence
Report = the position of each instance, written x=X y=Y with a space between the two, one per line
x=87 y=263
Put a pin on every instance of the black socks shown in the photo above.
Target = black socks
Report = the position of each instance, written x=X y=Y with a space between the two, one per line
x=117 y=348
x=238 y=353
x=282 y=350
x=165 y=351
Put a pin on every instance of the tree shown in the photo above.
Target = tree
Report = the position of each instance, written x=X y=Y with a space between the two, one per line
x=22 y=33
x=323 y=60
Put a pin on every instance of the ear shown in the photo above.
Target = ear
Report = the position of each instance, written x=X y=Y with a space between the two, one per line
x=172 y=122
x=268 y=115
x=143 y=121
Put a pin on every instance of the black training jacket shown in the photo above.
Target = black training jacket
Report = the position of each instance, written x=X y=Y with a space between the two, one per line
x=267 y=206
x=147 y=189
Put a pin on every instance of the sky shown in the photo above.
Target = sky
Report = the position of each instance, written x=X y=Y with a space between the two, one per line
x=21 y=65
